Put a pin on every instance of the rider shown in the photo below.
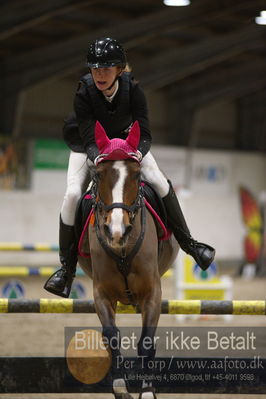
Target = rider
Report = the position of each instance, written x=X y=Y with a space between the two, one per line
x=109 y=94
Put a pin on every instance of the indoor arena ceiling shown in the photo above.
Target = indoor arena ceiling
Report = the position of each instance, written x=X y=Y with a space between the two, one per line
x=208 y=50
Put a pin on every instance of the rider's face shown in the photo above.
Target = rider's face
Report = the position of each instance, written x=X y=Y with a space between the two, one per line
x=104 y=77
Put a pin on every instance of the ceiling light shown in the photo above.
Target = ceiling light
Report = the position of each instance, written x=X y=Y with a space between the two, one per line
x=261 y=20
x=176 y=3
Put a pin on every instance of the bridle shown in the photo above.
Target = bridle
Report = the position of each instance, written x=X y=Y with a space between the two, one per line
x=123 y=260
x=131 y=209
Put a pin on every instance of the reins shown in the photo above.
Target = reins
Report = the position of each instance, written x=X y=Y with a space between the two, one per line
x=123 y=260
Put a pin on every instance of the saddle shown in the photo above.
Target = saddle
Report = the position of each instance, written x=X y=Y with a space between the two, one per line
x=83 y=211
x=153 y=203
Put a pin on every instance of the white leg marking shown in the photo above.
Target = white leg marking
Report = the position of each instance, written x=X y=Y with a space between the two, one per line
x=116 y=225
x=147 y=395
x=119 y=386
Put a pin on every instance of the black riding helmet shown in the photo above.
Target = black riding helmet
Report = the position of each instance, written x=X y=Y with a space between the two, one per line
x=106 y=52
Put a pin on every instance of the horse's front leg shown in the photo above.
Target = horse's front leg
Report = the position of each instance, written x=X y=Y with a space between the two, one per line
x=105 y=309
x=150 y=306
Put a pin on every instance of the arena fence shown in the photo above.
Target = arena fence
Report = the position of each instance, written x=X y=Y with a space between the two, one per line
x=195 y=307
x=51 y=374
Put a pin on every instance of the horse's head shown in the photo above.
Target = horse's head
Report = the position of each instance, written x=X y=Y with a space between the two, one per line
x=118 y=178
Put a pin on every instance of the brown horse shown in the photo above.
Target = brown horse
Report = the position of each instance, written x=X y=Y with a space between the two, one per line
x=125 y=262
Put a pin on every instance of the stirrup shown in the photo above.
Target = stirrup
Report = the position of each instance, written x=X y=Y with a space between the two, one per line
x=197 y=251
x=65 y=292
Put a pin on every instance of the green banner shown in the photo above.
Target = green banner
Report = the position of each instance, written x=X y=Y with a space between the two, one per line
x=50 y=154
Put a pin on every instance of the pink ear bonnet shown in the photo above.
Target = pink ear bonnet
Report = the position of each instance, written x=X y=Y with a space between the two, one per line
x=117 y=149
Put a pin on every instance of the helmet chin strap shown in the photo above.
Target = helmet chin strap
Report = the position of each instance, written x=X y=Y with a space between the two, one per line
x=115 y=79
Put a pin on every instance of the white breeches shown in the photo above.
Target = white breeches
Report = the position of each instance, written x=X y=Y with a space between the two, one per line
x=78 y=177
x=151 y=172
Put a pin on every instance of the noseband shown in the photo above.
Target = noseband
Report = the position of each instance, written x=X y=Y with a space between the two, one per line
x=132 y=209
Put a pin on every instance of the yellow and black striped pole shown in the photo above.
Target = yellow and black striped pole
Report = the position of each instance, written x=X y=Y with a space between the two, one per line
x=170 y=306
x=45 y=271
x=38 y=247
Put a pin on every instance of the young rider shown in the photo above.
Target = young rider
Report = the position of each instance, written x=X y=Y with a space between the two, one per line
x=110 y=95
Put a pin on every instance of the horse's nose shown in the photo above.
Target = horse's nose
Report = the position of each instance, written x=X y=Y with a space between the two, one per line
x=128 y=229
x=107 y=230
x=117 y=237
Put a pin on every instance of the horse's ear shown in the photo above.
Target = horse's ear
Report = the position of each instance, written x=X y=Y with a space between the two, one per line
x=134 y=135
x=101 y=138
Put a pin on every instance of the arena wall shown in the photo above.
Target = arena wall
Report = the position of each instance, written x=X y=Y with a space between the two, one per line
x=209 y=198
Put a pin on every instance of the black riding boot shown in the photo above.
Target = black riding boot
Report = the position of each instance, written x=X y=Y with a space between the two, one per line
x=202 y=253
x=61 y=281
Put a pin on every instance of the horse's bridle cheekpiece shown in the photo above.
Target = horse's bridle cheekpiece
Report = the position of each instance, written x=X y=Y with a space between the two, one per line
x=122 y=260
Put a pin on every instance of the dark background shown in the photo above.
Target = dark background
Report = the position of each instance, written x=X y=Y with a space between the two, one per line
x=209 y=52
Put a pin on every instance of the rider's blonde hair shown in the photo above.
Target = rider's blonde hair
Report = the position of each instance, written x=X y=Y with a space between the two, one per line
x=127 y=68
